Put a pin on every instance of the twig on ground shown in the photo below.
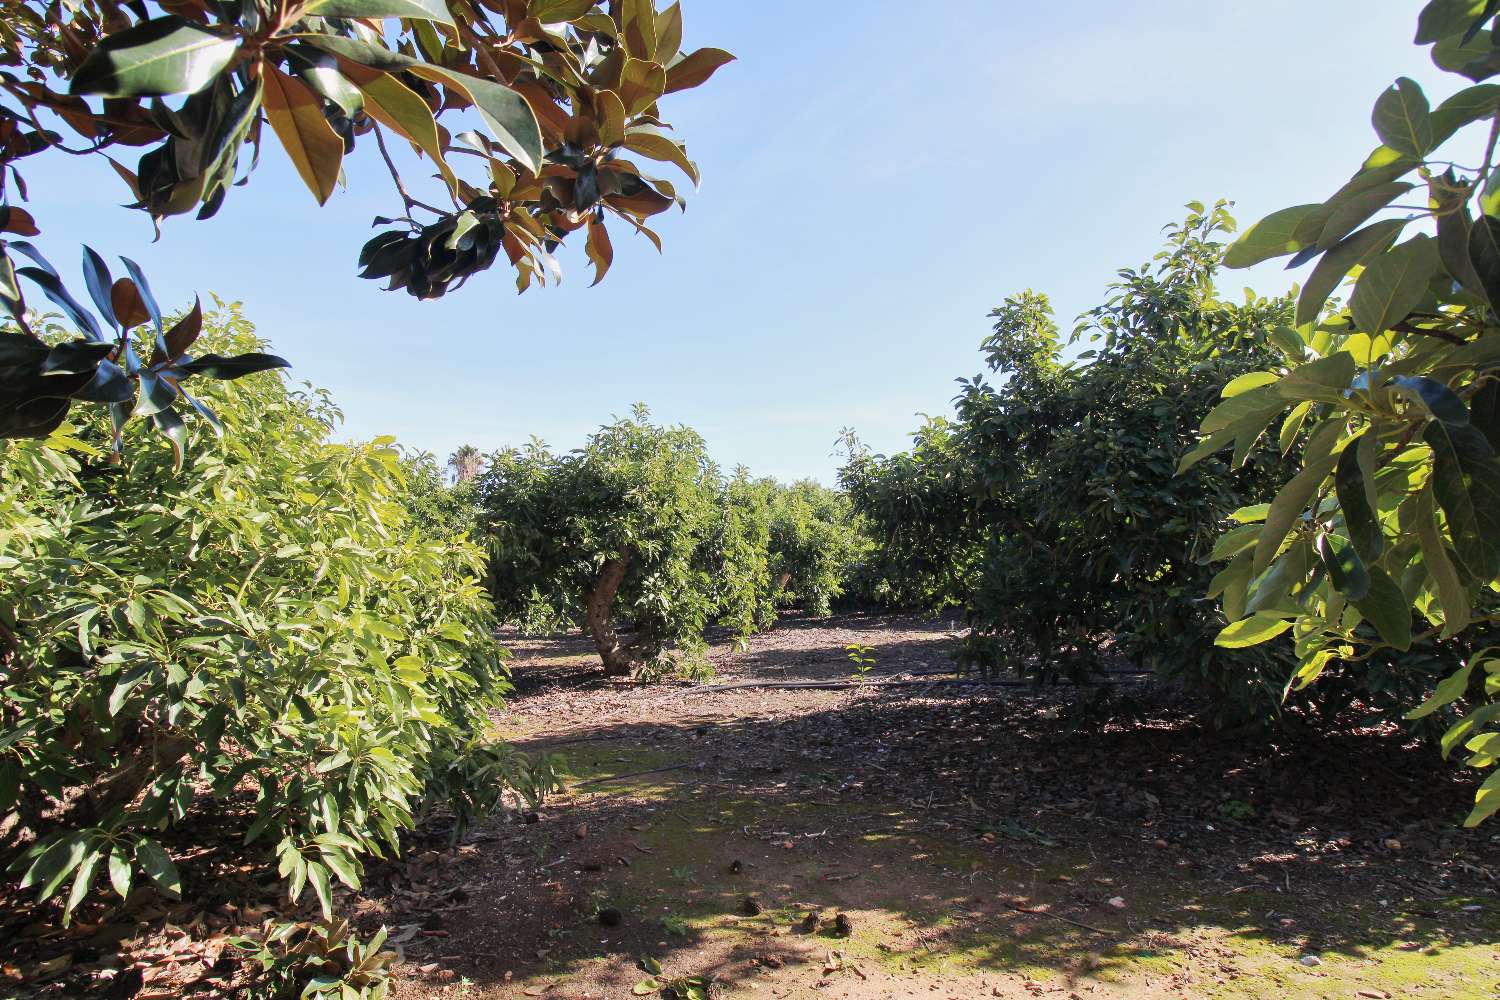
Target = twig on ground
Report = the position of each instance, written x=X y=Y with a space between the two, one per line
x=1058 y=916
x=633 y=774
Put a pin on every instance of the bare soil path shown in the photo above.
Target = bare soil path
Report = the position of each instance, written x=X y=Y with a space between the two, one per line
x=978 y=842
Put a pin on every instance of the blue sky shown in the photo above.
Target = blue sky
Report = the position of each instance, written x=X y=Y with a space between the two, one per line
x=874 y=182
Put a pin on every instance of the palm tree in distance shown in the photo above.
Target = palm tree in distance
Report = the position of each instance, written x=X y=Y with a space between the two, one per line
x=466 y=463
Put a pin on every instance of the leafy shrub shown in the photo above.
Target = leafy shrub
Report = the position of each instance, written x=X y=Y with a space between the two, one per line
x=266 y=624
x=917 y=510
x=1385 y=543
x=634 y=538
x=814 y=544
x=1088 y=530
x=437 y=509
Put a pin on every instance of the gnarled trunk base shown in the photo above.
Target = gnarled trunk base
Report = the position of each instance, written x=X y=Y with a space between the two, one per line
x=617 y=655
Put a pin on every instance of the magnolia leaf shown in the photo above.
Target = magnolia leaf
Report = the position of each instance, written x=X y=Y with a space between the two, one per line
x=396 y=106
x=219 y=367
x=504 y=112
x=657 y=145
x=694 y=69
x=427 y=10
x=296 y=114
x=128 y=305
x=556 y=11
x=600 y=250
x=166 y=55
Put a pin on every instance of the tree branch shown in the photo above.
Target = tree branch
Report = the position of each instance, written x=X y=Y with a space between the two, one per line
x=396 y=177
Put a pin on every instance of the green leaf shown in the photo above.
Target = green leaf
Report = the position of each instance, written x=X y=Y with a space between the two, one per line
x=119 y=871
x=158 y=867
x=1326 y=380
x=1387 y=608
x=1463 y=108
x=1271 y=591
x=1486 y=801
x=1472 y=58
x=1354 y=482
x=82 y=882
x=652 y=142
x=1334 y=265
x=317 y=876
x=1442 y=18
x=48 y=872
x=1466 y=483
x=1484 y=256
x=393 y=104
x=1292 y=426
x=1251 y=632
x=1288 y=507
x=343 y=866
x=166 y=55
x=1453 y=596
x=1345 y=568
x=1393 y=285
x=645 y=987
x=426 y=10
x=1449 y=690
x=1402 y=118
x=1357 y=210
x=1248 y=381
x=504 y=112
x=1270 y=237
x=556 y=11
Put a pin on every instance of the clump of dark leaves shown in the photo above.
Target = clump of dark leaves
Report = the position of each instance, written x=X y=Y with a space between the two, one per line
x=427 y=260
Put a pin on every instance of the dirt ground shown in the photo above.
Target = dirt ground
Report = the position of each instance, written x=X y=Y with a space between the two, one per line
x=976 y=841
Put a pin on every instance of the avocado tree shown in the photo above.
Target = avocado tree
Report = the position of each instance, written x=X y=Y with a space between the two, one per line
x=528 y=120
x=814 y=542
x=275 y=648
x=626 y=538
x=1387 y=538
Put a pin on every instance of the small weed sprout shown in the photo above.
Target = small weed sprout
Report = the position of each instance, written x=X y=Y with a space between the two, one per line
x=863 y=658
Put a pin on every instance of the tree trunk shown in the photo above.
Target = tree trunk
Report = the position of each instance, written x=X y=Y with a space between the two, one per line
x=616 y=654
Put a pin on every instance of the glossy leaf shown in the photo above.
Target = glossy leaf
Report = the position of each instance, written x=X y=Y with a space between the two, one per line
x=296 y=114
x=1466 y=484
x=429 y=10
x=1270 y=237
x=1402 y=118
x=166 y=55
x=1392 y=285
x=695 y=69
x=1388 y=609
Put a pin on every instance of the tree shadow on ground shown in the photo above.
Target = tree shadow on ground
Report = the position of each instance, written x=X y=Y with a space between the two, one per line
x=935 y=823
